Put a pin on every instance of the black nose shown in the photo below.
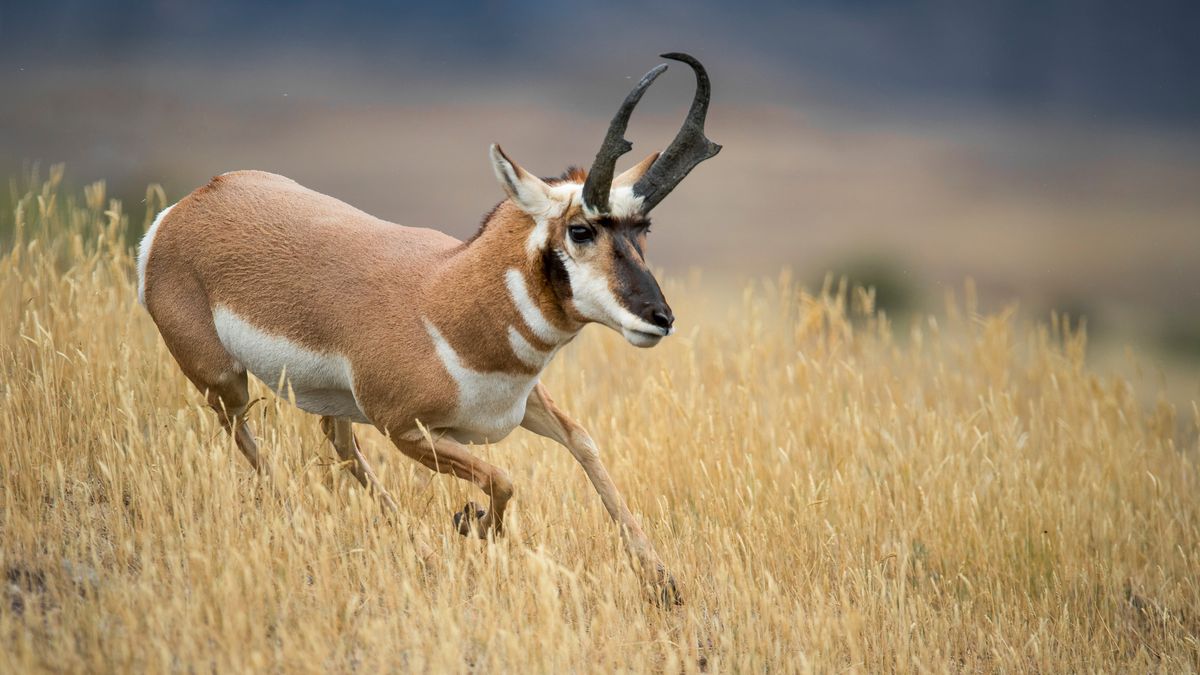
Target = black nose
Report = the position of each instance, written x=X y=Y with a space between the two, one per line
x=659 y=315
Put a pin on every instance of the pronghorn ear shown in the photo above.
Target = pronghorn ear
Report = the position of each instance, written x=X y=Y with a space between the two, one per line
x=633 y=173
x=525 y=189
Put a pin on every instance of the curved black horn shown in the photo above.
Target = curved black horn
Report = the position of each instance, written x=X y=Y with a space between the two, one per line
x=600 y=177
x=689 y=148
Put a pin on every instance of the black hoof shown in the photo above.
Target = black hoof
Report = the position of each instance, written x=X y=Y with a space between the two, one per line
x=466 y=520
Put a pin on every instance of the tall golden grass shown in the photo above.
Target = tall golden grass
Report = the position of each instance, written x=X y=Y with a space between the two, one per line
x=831 y=491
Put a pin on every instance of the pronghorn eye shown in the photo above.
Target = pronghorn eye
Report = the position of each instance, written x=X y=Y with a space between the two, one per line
x=581 y=234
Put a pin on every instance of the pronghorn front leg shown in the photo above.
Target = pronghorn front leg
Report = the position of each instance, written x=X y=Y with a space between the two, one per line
x=542 y=417
x=447 y=456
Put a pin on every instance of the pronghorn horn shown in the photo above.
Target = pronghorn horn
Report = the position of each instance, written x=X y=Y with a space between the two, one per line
x=689 y=148
x=599 y=179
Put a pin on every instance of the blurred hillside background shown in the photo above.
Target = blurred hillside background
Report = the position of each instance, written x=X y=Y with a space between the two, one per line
x=1048 y=149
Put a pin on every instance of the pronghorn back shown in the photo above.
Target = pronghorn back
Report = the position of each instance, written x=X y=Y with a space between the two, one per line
x=285 y=276
x=259 y=239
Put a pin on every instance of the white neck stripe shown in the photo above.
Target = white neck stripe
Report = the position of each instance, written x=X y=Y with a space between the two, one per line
x=525 y=352
x=531 y=314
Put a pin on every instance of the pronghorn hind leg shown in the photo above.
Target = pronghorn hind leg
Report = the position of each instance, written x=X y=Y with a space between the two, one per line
x=447 y=456
x=184 y=319
x=340 y=433
x=230 y=399
x=542 y=417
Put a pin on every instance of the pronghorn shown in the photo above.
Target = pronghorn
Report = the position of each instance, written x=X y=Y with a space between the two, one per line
x=436 y=342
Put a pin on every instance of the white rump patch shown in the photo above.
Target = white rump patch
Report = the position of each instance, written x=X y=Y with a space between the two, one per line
x=531 y=314
x=490 y=405
x=323 y=383
x=144 y=252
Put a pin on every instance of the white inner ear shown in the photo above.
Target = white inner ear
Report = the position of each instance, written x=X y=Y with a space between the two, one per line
x=527 y=191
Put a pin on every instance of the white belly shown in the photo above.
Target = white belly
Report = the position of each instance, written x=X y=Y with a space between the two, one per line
x=322 y=383
x=490 y=405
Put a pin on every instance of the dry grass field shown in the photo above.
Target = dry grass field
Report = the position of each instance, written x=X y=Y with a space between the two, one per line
x=832 y=491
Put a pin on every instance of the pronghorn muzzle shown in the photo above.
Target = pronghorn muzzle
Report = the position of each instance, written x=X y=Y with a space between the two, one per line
x=639 y=292
x=689 y=148
x=643 y=296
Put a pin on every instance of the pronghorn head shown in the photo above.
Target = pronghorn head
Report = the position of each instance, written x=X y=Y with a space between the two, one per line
x=590 y=228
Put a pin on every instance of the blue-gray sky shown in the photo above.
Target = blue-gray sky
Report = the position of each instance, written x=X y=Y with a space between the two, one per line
x=1093 y=60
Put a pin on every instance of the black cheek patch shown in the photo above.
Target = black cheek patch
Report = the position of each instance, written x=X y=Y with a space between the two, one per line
x=556 y=274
